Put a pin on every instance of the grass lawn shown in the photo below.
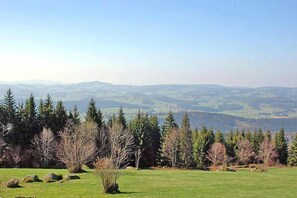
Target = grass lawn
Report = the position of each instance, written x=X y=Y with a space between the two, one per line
x=277 y=182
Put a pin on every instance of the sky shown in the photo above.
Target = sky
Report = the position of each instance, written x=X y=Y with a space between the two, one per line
x=249 y=43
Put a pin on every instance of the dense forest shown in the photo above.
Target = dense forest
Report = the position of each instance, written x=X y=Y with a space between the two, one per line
x=43 y=135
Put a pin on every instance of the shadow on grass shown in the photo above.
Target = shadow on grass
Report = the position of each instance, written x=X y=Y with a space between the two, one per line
x=123 y=193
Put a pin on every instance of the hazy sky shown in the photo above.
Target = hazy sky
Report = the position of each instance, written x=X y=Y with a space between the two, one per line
x=236 y=42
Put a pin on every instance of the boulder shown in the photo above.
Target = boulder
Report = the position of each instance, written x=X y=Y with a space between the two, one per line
x=51 y=177
x=71 y=177
x=31 y=178
x=13 y=183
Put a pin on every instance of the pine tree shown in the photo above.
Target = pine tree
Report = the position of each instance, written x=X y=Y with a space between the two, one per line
x=121 y=118
x=155 y=141
x=186 y=141
x=9 y=107
x=203 y=142
x=219 y=137
x=60 y=117
x=292 y=159
x=74 y=116
x=268 y=135
x=169 y=123
x=230 y=145
x=140 y=128
x=281 y=146
x=91 y=115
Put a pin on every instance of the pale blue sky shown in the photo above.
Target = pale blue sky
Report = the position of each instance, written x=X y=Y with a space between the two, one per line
x=236 y=42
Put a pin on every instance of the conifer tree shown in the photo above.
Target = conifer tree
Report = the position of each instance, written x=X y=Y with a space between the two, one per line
x=155 y=139
x=186 y=141
x=219 y=137
x=202 y=144
x=9 y=107
x=74 y=116
x=121 y=118
x=169 y=123
x=60 y=117
x=268 y=135
x=91 y=115
x=231 y=144
x=292 y=159
x=281 y=146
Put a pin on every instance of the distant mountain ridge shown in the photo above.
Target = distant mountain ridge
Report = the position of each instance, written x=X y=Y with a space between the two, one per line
x=212 y=101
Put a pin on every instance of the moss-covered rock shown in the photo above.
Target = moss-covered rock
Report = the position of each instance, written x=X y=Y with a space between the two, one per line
x=51 y=177
x=13 y=183
x=31 y=178
x=71 y=177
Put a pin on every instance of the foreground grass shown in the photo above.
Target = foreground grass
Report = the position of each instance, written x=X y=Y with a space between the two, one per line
x=277 y=182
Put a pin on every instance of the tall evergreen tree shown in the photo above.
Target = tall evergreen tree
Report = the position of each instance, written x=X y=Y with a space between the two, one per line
x=292 y=159
x=91 y=115
x=281 y=146
x=230 y=145
x=121 y=118
x=60 y=117
x=140 y=128
x=155 y=139
x=201 y=145
x=186 y=141
x=268 y=135
x=74 y=116
x=9 y=107
x=219 y=137
x=169 y=123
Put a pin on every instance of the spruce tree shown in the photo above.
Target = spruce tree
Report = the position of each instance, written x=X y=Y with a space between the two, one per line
x=230 y=144
x=155 y=141
x=281 y=146
x=219 y=137
x=91 y=115
x=9 y=107
x=186 y=141
x=268 y=135
x=168 y=124
x=292 y=159
x=203 y=142
x=74 y=116
x=121 y=118
x=60 y=117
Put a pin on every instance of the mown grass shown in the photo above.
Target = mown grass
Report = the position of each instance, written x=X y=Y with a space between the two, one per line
x=277 y=182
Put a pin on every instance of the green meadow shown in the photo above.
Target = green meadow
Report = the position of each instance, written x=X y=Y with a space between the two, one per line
x=277 y=182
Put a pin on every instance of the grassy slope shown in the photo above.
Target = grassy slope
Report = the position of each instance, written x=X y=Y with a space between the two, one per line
x=162 y=183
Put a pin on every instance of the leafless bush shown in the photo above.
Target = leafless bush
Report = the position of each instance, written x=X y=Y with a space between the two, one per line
x=77 y=145
x=217 y=154
x=121 y=148
x=267 y=153
x=108 y=173
x=170 y=146
x=244 y=151
x=44 y=146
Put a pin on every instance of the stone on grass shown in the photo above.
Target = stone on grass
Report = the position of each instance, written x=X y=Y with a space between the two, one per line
x=51 y=177
x=31 y=178
x=13 y=183
x=71 y=177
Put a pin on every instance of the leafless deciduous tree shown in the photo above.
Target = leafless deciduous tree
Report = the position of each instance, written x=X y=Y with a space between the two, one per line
x=44 y=146
x=244 y=151
x=121 y=145
x=170 y=146
x=15 y=155
x=217 y=154
x=2 y=150
x=77 y=145
x=121 y=148
x=267 y=153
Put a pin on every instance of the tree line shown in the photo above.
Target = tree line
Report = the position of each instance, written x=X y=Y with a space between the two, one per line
x=45 y=135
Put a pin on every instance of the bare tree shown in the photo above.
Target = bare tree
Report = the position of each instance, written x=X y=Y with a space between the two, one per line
x=170 y=146
x=244 y=151
x=2 y=150
x=77 y=145
x=267 y=153
x=15 y=155
x=217 y=154
x=121 y=148
x=44 y=146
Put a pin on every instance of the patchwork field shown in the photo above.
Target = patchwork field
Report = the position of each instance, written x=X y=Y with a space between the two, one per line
x=277 y=182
